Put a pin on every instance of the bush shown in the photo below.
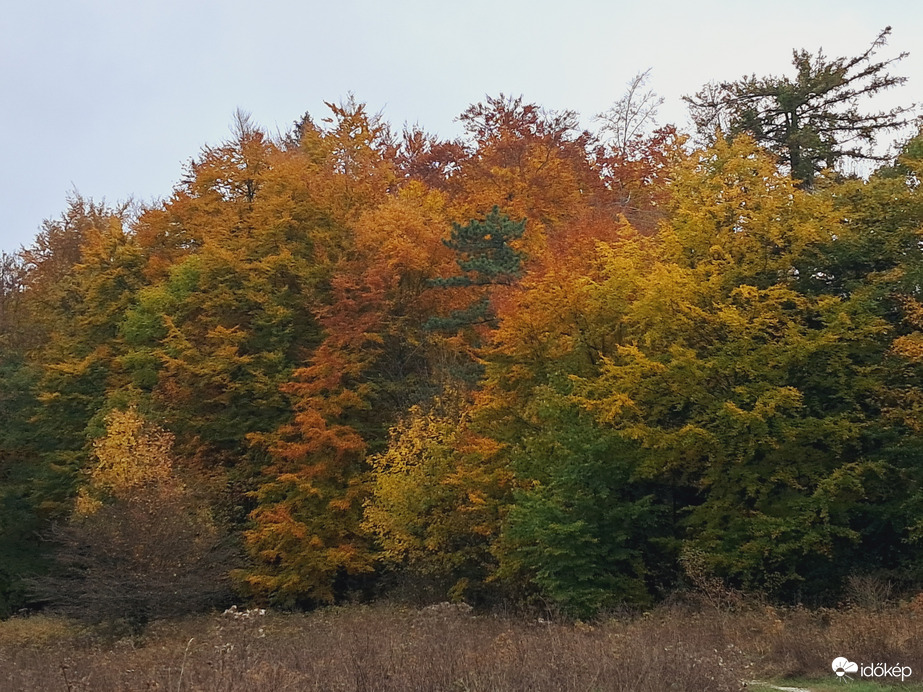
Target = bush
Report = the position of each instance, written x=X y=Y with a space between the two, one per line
x=151 y=554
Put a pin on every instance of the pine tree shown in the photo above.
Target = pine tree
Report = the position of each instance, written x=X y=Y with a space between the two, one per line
x=811 y=121
x=487 y=258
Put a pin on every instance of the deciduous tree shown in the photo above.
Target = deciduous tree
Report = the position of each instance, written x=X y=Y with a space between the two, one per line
x=140 y=545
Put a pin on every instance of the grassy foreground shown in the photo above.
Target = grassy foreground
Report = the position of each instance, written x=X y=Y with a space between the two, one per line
x=449 y=648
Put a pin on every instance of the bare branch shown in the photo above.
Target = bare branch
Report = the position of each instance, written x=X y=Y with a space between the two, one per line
x=632 y=115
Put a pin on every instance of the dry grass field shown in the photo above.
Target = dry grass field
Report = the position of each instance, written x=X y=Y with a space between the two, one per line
x=448 y=648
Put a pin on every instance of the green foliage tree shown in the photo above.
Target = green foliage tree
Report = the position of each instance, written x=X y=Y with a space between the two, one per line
x=762 y=399
x=486 y=252
x=584 y=529
x=581 y=528
x=27 y=487
x=877 y=260
x=811 y=121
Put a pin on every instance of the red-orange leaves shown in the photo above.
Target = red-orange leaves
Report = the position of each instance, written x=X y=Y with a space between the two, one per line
x=307 y=523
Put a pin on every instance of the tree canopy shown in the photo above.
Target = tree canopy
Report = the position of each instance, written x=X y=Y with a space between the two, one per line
x=535 y=363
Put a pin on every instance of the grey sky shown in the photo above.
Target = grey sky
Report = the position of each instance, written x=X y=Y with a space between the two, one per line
x=111 y=97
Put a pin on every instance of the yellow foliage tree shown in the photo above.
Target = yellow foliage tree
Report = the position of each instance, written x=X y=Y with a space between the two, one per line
x=438 y=496
x=132 y=454
x=141 y=544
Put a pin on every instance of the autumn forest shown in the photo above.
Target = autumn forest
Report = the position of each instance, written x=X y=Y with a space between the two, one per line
x=534 y=365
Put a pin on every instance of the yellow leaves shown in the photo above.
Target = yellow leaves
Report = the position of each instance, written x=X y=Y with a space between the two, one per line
x=476 y=498
x=775 y=401
x=737 y=216
x=610 y=410
x=132 y=458
x=909 y=346
x=404 y=234
x=432 y=486
x=86 y=504
x=232 y=336
x=133 y=453
x=341 y=504
x=907 y=410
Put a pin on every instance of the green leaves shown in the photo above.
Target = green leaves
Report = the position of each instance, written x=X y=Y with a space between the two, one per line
x=484 y=250
x=812 y=121
x=580 y=527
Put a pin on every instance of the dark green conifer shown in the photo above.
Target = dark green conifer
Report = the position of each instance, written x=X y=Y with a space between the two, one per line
x=487 y=259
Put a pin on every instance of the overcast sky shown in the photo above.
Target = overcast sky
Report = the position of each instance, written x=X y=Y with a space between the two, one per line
x=112 y=97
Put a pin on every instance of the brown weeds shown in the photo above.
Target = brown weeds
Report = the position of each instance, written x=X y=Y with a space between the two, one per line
x=680 y=648
x=378 y=649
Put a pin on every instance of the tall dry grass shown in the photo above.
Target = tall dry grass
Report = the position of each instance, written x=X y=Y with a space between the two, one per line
x=681 y=648
x=365 y=649
x=802 y=643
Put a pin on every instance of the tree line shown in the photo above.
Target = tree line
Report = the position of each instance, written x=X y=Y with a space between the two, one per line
x=534 y=363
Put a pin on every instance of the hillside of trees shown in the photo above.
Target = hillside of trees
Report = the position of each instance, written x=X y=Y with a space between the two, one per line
x=535 y=364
